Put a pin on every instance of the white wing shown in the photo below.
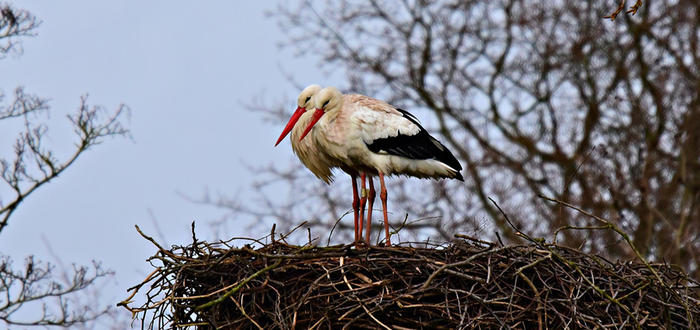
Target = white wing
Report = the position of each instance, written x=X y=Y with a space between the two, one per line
x=380 y=124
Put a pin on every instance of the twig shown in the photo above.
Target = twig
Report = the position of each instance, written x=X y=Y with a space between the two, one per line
x=614 y=228
x=330 y=234
x=160 y=248
x=540 y=305
x=239 y=286
x=136 y=288
x=457 y=264
x=240 y=308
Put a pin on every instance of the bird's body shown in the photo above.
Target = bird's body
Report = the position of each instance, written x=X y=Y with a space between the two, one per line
x=372 y=137
x=309 y=153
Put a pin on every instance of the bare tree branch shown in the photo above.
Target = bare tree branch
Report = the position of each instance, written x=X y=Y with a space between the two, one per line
x=34 y=165
x=15 y=23
x=35 y=284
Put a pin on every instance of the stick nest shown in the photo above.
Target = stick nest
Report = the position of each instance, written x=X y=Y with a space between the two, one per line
x=465 y=284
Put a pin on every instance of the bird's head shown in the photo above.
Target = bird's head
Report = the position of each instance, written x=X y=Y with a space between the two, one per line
x=304 y=101
x=326 y=100
x=306 y=97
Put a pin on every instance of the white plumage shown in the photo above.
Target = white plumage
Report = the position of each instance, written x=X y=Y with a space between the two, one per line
x=313 y=156
x=374 y=138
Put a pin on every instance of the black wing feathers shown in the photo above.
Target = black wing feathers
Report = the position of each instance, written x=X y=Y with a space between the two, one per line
x=417 y=146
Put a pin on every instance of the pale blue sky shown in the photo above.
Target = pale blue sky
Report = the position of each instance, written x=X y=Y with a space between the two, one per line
x=184 y=68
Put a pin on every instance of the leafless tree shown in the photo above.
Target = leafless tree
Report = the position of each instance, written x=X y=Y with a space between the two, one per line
x=537 y=98
x=50 y=294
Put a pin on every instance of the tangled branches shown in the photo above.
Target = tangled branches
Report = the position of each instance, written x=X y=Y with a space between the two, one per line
x=534 y=98
x=465 y=284
x=52 y=290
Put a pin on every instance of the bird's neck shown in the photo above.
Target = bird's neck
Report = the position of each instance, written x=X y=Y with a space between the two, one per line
x=329 y=118
x=300 y=126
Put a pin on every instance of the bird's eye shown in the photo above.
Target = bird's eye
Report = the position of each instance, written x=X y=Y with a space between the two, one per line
x=307 y=99
x=325 y=103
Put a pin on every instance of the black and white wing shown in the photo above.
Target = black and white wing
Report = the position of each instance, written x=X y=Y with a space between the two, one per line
x=400 y=134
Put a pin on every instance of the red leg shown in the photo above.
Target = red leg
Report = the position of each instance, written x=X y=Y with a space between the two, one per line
x=369 y=208
x=382 y=195
x=355 y=207
x=363 y=200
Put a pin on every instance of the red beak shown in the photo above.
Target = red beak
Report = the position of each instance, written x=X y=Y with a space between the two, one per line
x=295 y=117
x=316 y=116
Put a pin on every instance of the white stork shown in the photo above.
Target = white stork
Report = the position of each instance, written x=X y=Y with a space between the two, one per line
x=373 y=137
x=314 y=157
